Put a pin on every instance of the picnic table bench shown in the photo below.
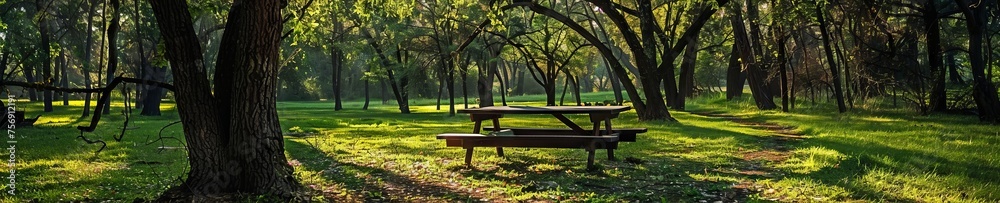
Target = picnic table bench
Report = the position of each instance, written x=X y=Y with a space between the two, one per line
x=573 y=137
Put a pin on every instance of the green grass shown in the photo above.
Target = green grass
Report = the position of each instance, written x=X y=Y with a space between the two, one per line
x=877 y=153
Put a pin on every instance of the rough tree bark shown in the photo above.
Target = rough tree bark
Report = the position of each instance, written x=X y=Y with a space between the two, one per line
x=29 y=75
x=234 y=138
x=87 y=56
x=783 y=68
x=398 y=88
x=639 y=105
x=834 y=70
x=755 y=76
x=63 y=79
x=46 y=55
x=953 y=74
x=151 y=95
x=441 y=84
x=449 y=66
x=154 y=94
x=735 y=76
x=337 y=61
x=576 y=90
x=615 y=81
x=983 y=90
x=687 y=73
x=485 y=83
x=112 y=36
x=465 y=81
x=933 y=28
x=368 y=96
x=504 y=81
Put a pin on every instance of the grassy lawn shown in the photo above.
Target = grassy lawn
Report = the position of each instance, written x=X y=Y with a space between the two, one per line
x=877 y=153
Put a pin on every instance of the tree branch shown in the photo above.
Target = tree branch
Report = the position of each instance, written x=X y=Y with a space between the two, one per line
x=105 y=93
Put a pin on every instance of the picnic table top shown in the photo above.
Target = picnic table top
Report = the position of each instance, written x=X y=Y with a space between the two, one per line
x=545 y=109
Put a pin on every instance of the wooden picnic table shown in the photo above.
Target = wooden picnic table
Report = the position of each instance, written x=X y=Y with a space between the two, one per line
x=597 y=115
x=574 y=136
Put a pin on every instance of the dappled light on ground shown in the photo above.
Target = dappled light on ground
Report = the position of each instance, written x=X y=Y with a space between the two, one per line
x=722 y=151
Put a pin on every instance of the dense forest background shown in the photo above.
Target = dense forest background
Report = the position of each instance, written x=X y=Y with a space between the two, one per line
x=930 y=55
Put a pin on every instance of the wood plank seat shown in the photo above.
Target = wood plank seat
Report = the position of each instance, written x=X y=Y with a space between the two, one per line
x=624 y=134
x=589 y=143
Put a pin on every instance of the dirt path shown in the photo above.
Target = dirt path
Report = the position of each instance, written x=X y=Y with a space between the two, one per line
x=775 y=148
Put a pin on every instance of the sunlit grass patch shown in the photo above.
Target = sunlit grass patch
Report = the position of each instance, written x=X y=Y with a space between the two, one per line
x=378 y=154
x=801 y=190
x=955 y=152
x=812 y=159
x=922 y=187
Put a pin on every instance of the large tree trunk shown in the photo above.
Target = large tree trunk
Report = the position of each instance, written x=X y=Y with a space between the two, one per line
x=834 y=70
x=485 y=83
x=755 y=75
x=43 y=49
x=616 y=85
x=112 y=35
x=398 y=89
x=450 y=68
x=4 y=59
x=576 y=90
x=57 y=75
x=29 y=76
x=383 y=93
x=87 y=96
x=234 y=138
x=782 y=68
x=953 y=74
x=87 y=55
x=839 y=46
x=504 y=81
x=367 y=95
x=933 y=28
x=151 y=102
x=687 y=73
x=63 y=76
x=465 y=81
x=519 y=90
x=337 y=60
x=151 y=95
x=401 y=89
x=983 y=90
x=660 y=110
x=566 y=81
x=441 y=84
x=550 y=94
x=735 y=76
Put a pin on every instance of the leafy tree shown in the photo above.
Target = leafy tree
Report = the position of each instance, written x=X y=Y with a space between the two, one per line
x=233 y=134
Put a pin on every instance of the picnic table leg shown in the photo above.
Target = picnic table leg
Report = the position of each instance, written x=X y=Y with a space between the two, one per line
x=590 y=158
x=607 y=128
x=611 y=154
x=496 y=127
x=478 y=126
x=468 y=149
x=468 y=156
x=597 y=128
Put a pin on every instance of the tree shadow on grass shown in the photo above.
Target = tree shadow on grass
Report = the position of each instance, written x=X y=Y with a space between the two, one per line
x=374 y=184
x=909 y=168
x=890 y=154
x=544 y=180
x=664 y=175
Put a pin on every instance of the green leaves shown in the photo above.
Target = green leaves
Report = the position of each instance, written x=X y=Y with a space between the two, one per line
x=389 y=9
